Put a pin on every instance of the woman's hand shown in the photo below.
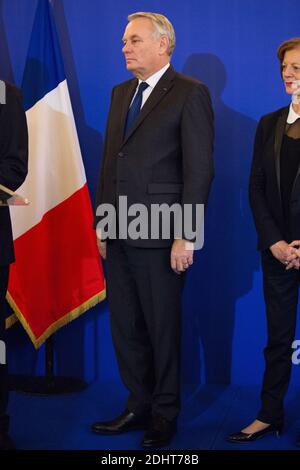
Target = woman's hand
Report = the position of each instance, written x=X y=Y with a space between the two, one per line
x=284 y=252
x=294 y=263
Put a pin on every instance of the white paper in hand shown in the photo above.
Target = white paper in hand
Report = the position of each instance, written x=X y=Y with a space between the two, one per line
x=10 y=198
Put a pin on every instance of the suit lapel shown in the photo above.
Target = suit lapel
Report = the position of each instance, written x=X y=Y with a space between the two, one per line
x=160 y=90
x=279 y=132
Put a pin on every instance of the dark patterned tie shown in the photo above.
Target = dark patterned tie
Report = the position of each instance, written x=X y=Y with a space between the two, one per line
x=135 y=108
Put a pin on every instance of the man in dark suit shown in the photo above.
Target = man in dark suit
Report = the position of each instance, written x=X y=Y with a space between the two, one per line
x=158 y=150
x=13 y=170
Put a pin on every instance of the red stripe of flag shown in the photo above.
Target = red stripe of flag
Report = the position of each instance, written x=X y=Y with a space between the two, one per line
x=58 y=266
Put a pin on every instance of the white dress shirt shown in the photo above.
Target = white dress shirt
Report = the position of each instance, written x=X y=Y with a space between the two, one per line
x=152 y=81
x=293 y=116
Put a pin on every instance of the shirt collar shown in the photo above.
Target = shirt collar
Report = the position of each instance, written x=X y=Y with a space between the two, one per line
x=153 y=79
x=293 y=116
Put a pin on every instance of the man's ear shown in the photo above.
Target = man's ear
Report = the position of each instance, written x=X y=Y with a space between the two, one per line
x=164 y=44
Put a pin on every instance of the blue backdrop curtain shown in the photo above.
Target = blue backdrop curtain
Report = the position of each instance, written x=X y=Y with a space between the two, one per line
x=231 y=46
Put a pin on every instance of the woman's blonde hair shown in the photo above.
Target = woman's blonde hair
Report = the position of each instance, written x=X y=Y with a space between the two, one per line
x=287 y=46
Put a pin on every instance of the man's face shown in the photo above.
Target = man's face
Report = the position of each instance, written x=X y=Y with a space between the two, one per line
x=143 y=52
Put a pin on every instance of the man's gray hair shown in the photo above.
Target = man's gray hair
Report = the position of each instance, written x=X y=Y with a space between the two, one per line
x=162 y=26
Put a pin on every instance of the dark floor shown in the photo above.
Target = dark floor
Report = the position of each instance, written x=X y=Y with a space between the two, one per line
x=209 y=413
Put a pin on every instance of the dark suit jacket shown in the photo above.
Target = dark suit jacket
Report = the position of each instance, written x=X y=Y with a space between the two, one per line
x=167 y=155
x=13 y=161
x=264 y=188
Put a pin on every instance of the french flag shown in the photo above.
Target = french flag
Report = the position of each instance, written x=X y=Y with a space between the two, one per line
x=57 y=275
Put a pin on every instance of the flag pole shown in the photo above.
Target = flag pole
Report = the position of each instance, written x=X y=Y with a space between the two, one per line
x=48 y=224
x=48 y=384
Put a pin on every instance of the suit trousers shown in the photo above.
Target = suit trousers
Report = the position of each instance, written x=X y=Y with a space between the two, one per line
x=145 y=310
x=4 y=272
x=281 y=298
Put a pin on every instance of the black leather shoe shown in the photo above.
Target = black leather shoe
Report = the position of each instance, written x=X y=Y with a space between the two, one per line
x=159 y=433
x=241 y=437
x=128 y=421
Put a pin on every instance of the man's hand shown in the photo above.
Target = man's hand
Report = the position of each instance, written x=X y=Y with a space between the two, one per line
x=181 y=255
x=102 y=248
x=284 y=253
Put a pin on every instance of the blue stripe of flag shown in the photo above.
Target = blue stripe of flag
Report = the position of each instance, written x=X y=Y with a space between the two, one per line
x=44 y=68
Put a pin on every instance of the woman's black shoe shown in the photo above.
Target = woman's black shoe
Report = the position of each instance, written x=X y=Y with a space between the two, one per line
x=250 y=437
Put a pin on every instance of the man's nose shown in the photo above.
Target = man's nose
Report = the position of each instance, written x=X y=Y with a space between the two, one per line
x=125 y=48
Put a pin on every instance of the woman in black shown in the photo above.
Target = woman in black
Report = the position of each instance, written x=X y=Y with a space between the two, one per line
x=275 y=202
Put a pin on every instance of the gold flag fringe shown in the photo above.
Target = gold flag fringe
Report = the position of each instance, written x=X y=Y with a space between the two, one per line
x=11 y=320
x=75 y=313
